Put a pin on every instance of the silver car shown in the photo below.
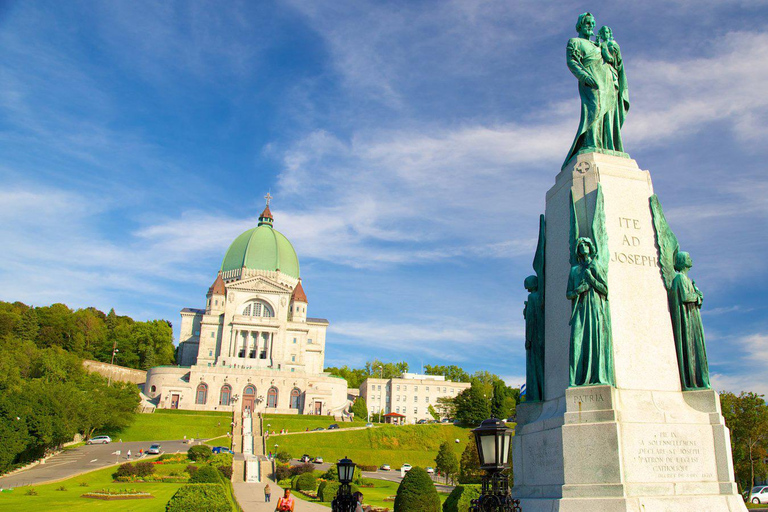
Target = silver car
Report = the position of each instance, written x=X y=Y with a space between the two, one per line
x=759 y=494
x=99 y=440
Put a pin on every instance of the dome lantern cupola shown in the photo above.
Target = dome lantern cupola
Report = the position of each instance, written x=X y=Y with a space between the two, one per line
x=266 y=219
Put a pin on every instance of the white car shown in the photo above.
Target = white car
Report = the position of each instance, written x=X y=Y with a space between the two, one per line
x=406 y=467
x=99 y=440
x=430 y=470
x=154 y=449
x=759 y=494
x=385 y=467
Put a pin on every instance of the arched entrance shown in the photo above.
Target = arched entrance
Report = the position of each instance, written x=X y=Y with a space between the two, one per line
x=249 y=398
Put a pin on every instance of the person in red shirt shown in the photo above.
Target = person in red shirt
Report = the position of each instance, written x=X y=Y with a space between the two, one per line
x=285 y=504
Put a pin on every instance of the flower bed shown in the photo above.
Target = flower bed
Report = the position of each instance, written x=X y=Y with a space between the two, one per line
x=117 y=494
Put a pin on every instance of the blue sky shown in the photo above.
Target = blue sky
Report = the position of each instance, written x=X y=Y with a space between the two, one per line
x=408 y=146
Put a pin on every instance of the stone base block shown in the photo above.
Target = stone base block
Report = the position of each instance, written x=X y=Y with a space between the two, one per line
x=704 y=503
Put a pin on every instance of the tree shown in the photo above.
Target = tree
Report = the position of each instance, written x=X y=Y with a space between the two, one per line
x=446 y=462
x=746 y=415
x=452 y=372
x=435 y=415
x=360 y=408
x=469 y=469
x=500 y=406
x=472 y=405
x=417 y=493
x=446 y=406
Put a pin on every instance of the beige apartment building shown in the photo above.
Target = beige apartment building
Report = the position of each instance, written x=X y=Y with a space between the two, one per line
x=410 y=395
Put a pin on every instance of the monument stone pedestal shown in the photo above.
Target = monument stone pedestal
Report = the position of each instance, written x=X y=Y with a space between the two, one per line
x=644 y=445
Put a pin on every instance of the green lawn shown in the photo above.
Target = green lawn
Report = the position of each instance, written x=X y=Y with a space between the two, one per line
x=167 y=425
x=49 y=498
x=300 y=423
x=414 y=444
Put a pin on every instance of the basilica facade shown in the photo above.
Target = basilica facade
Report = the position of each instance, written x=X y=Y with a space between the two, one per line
x=253 y=347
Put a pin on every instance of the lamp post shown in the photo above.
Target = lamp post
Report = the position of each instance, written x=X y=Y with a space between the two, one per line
x=344 y=502
x=493 y=440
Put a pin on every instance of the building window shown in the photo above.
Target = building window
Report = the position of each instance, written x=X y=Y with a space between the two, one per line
x=272 y=397
x=309 y=341
x=293 y=369
x=426 y=399
x=226 y=394
x=293 y=358
x=415 y=398
x=427 y=389
x=213 y=334
x=295 y=397
x=153 y=388
x=216 y=302
x=398 y=387
x=397 y=399
x=443 y=390
x=258 y=308
x=294 y=341
x=397 y=410
x=210 y=353
x=415 y=410
x=249 y=391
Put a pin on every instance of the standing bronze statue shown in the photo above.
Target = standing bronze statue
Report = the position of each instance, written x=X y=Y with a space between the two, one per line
x=591 y=351
x=599 y=68
x=685 y=301
x=534 y=324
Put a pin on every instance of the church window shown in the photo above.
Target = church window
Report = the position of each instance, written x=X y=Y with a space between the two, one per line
x=226 y=394
x=258 y=308
x=216 y=302
x=272 y=397
x=202 y=393
x=295 y=397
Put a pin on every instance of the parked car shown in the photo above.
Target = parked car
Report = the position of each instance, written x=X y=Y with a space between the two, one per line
x=430 y=470
x=369 y=425
x=317 y=429
x=385 y=467
x=333 y=426
x=445 y=420
x=221 y=449
x=154 y=449
x=759 y=494
x=318 y=460
x=406 y=467
x=99 y=440
x=421 y=422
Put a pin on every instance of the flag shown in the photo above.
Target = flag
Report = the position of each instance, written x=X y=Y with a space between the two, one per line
x=522 y=390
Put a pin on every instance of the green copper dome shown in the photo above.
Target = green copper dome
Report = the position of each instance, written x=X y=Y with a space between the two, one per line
x=262 y=248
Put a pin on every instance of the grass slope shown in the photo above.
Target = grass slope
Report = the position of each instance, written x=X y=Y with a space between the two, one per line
x=300 y=423
x=414 y=444
x=49 y=498
x=163 y=425
x=374 y=496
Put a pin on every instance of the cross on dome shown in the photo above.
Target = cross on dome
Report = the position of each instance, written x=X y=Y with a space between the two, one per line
x=268 y=197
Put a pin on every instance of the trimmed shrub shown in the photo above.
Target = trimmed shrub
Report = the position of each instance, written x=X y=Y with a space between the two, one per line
x=304 y=482
x=417 y=493
x=126 y=470
x=199 y=498
x=302 y=468
x=191 y=469
x=284 y=456
x=200 y=452
x=220 y=459
x=226 y=471
x=460 y=498
x=333 y=474
x=206 y=475
x=364 y=467
x=144 y=469
x=282 y=472
x=328 y=489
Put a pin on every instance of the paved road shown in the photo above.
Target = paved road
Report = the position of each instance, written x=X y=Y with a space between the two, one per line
x=81 y=459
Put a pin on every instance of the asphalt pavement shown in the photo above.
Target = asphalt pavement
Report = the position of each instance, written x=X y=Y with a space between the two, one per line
x=83 y=459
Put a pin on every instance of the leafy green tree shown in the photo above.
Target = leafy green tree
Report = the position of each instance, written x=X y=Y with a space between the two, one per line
x=469 y=467
x=472 y=405
x=451 y=372
x=446 y=406
x=433 y=412
x=360 y=408
x=378 y=368
x=500 y=406
x=446 y=462
x=28 y=326
x=417 y=493
x=746 y=416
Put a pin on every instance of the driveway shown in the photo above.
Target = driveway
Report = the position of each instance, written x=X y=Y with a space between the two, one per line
x=82 y=459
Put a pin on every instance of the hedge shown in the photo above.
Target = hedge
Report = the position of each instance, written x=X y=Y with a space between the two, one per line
x=199 y=498
x=417 y=493
x=328 y=489
x=206 y=475
x=199 y=452
x=304 y=482
x=460 y=497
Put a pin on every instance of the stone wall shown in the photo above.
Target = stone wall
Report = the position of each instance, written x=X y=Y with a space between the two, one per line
x=119 y=373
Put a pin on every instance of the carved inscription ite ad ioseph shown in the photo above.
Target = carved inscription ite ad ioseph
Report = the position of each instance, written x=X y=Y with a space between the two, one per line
x=633 y=250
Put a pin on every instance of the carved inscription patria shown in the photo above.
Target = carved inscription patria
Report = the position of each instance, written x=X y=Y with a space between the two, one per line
x=669 y=455
x=632 y=246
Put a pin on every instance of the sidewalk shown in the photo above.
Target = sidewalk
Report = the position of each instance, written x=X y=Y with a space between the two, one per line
x=251 y=496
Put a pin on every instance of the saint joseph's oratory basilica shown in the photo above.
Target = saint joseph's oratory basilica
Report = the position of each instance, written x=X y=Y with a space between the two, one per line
x=253 y=347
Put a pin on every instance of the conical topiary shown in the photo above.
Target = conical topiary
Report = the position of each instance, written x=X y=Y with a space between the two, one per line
x=417 y=493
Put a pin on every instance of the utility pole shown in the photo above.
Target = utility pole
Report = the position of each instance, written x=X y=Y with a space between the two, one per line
x=114 y=351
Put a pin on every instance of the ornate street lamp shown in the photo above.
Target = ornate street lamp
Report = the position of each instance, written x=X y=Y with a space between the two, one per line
x=344 y=502
x=493 y=440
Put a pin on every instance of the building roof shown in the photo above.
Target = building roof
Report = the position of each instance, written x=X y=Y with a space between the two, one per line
x=193 y=310
x=217 y=288
x=298 y=293
x=262 y=248
x=394 y=414
x=317 y=321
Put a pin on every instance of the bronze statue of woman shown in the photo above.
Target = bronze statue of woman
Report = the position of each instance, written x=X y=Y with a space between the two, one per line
x=603 y=108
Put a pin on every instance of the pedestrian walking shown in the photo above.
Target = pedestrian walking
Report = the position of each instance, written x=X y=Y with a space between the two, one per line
x=267 y=493
x=129 y=454
x=285 y=504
